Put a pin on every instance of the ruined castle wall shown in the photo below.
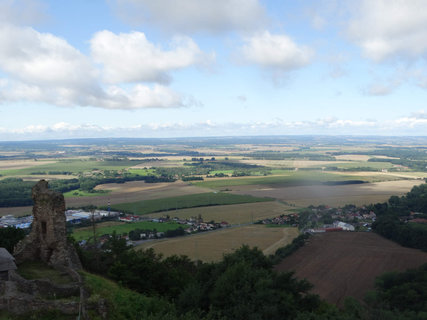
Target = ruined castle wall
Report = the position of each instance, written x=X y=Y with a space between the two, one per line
x=47 y=240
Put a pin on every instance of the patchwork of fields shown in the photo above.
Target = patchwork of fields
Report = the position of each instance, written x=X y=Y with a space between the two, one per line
x=241 y=176
x=190 y=201
x=358 y=194
x=233 y=214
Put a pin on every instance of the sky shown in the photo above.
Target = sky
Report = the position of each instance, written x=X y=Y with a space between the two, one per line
x=187 y=68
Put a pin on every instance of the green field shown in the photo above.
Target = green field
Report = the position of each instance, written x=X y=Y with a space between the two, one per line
x=293 y=178
x=188 y=201
x=75 y=166
x=87 y=232
x=362 y=164
x=81 y=193
x=142 y=172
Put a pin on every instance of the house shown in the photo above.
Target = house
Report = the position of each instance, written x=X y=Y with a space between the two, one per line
x=7 y=263
x=344 y=226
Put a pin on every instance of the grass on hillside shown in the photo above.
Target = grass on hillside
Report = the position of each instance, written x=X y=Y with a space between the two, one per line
x=87 y=232
x=31 y=270
x=123 y=303
x=188 y=201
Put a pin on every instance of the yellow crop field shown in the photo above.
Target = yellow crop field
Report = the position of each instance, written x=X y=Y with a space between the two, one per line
x=22 y=164
x=211 y=246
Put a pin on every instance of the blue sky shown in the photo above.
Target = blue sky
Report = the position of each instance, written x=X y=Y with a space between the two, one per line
x=166 y=68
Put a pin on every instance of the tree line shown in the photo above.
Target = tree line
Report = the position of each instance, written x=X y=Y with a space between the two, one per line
x=15 y=192
x=393 y=216
x=243 y=285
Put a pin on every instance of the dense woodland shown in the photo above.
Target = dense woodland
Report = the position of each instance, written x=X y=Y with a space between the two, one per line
x=393 y=218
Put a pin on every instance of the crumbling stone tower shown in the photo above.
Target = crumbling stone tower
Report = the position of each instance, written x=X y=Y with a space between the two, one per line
x=47 y=240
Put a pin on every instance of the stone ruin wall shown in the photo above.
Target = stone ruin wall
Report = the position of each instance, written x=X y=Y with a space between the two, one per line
x=47 y=240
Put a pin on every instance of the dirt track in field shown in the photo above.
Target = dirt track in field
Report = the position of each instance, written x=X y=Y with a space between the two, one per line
x=344 y=264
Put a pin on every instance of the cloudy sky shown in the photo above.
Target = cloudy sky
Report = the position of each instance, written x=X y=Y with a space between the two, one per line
x=168 y=68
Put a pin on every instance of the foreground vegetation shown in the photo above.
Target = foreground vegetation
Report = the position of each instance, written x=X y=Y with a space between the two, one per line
x=241 y=286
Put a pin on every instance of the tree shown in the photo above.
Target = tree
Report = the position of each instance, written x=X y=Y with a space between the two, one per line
x=10 y=236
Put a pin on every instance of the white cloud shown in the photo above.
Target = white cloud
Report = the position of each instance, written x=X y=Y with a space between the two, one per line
x=42 y=59
x=185 y=16
x=390 y=28
x=277 y=51
x=415 y=124
x=130 y=57
x=382 y=89
x=41 y=67
x=22 y=12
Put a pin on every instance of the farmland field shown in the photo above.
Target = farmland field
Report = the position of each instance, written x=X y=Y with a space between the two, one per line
x=345 y=264
x=122 y=227
x=233 y=214
x=211 y=246
x=358 y=194
x=120 y=193
x=293 y=178
x=80 y=193
x=188 y=201
x=72 y=165
x=22 y=164
x=136 y=191
x=301 y=196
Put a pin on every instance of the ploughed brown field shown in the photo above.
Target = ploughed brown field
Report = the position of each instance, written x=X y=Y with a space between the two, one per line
x=340 y=195
x=345 y=264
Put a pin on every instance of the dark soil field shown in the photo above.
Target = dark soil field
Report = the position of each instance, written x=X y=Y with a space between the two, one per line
x=345 y=264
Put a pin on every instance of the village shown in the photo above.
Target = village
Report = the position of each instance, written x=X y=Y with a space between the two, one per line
x=326 y=219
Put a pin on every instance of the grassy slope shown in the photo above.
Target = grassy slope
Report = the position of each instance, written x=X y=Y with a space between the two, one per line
x=188 y=201
x=123 y=303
